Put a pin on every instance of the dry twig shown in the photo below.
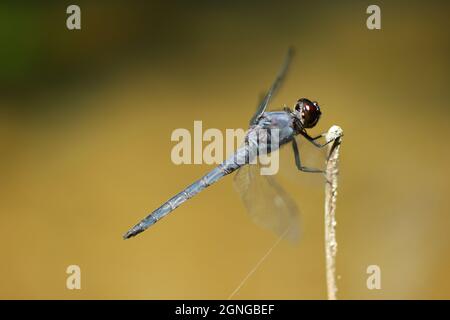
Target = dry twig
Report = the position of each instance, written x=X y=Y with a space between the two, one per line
x=335 y=133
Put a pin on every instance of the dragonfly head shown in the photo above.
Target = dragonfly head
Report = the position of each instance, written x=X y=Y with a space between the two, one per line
x=307 y=112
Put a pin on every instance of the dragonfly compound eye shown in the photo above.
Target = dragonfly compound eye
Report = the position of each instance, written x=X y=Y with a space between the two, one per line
x=309 y=112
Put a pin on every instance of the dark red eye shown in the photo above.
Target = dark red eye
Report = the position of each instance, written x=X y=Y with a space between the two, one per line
x=309 y=112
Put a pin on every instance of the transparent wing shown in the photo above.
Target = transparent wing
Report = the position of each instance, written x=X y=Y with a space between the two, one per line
x=267 y=202
x=275 y=86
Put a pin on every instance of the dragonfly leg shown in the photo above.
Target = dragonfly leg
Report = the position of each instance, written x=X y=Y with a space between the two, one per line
x=319 y=136
x=313 y=140
x=298 y=162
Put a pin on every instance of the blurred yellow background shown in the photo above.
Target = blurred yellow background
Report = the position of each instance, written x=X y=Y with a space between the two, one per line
x=85 y=124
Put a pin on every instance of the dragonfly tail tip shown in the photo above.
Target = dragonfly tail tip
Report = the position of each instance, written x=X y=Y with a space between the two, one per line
x=131 y=233
x=140 y=227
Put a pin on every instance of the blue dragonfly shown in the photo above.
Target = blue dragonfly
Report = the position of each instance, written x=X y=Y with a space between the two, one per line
x=267 y=203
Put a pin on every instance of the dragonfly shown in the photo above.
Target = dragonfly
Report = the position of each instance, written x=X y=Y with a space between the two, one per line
x=266 y=201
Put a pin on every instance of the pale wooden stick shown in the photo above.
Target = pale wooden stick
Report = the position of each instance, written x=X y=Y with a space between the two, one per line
x=335 y=133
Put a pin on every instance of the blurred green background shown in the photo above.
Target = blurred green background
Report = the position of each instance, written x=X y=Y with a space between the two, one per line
x=85 y=124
